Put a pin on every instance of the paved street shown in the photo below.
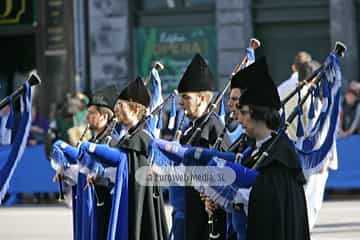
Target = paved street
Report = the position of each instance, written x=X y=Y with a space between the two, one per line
x=35 y=223
x=338 y=220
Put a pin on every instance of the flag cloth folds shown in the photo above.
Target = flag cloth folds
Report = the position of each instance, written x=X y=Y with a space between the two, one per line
x=314 y=148
x=8 y=167
x=155 y=122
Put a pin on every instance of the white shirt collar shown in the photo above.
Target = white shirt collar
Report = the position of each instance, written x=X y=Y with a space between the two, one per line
x=261 y=142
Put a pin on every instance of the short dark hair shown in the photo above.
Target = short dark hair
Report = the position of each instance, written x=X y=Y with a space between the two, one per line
x=300 y=58
x=270 y=116
x=307 y=68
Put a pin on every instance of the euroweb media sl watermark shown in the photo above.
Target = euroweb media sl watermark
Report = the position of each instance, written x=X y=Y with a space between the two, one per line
x=185 y=176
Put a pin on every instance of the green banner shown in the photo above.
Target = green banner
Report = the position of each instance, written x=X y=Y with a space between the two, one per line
x=174 y=47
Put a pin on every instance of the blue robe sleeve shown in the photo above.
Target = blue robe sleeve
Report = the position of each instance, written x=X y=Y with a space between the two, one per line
x=166 y=153
x=70 y=151
x=200 y=155
x=245 y=177
x=171 y=153
x=104 y=154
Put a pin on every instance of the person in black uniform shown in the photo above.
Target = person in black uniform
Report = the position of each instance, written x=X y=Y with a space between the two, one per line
x=196 y=91
x=236 y=220
x=92 y=222
x=277 y=206
x=146 y=211
x=100 y=114
x=137 y=208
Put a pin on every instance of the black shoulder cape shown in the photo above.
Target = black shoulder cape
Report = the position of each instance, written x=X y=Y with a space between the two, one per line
x=146 y=213
x=277 y=207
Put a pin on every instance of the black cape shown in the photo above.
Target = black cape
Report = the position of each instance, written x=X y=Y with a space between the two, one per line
x=146 y=213
x=196 y=218
x=277 y=206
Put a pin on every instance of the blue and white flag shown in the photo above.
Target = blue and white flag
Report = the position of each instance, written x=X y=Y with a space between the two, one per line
x=17 y=149
x=250 y=54
x=314 y=148
x=156 y=99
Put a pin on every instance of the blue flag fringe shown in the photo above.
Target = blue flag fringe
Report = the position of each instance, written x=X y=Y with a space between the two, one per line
x=311 y=114
x=314 y=148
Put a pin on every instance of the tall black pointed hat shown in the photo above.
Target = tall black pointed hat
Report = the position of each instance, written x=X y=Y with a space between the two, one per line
x=246 y=76
x=105 y=97
x=136 y=92
x=258 y=87
x=197 y=77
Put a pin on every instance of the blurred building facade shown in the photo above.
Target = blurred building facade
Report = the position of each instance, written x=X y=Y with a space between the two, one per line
x=85 y=44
